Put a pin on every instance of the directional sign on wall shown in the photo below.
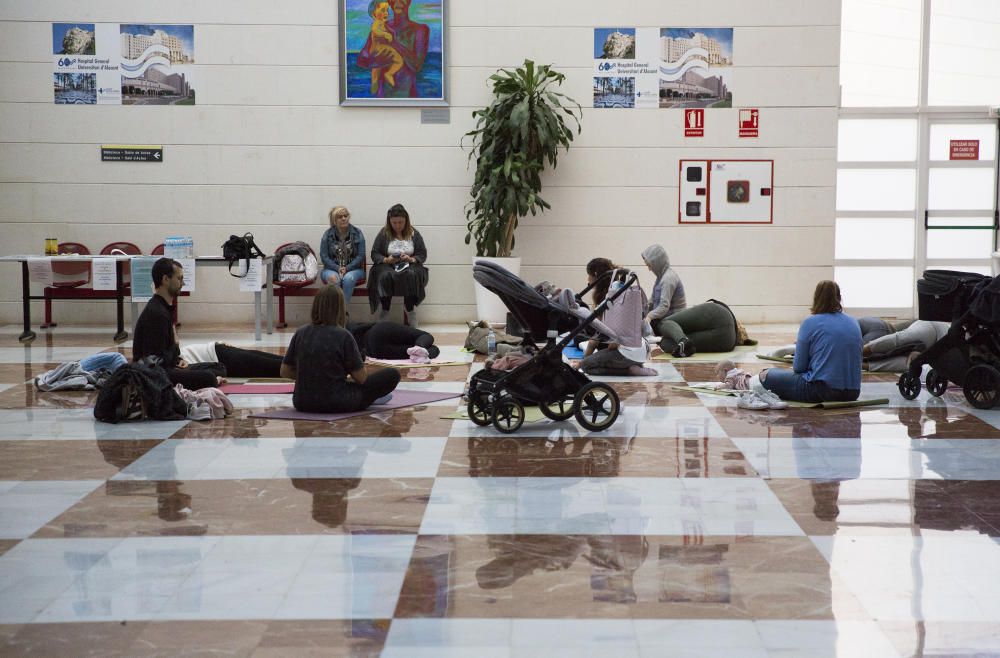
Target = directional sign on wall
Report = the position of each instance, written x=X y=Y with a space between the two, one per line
x=131 y=153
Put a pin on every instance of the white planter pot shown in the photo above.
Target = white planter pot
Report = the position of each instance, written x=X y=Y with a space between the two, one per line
x=489 y=307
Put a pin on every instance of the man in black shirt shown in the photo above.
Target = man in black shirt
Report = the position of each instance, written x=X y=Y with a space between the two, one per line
x=154 y=331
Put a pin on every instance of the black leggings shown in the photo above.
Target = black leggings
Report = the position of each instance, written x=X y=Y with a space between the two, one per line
x=408 y=303
x=248 y=363
x=388 y=340
x=356 y=397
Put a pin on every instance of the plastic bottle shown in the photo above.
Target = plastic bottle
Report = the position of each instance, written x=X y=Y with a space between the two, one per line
x=491 y=343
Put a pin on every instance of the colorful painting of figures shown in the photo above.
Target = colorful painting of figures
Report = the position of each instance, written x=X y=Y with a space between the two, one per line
x=392 y=52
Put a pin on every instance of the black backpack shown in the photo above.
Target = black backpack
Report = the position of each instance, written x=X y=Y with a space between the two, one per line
x=138 y=391
x=238 y=248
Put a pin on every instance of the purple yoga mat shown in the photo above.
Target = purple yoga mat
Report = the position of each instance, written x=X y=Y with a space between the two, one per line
x=399 y=399
x=262 y=389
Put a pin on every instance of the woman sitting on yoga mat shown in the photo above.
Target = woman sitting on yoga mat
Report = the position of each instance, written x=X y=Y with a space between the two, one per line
x=625 y=317
x=708 y=327
x=322 y=355
x=827 y=365
x=388 y=340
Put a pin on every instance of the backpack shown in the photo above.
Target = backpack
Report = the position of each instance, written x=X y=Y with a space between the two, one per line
x=238 y=248
x=295 y=263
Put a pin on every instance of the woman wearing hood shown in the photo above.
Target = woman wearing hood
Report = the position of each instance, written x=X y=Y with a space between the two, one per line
x=709 y=327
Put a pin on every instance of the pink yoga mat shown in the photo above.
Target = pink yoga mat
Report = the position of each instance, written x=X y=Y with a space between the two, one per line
x=399 y=399
x=263 y=389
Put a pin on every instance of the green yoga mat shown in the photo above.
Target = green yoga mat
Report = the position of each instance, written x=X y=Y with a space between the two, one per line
x=707 y=356
x=779 y=359
x=862 y=402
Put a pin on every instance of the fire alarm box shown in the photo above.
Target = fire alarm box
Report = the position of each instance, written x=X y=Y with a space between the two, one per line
x=726 y=192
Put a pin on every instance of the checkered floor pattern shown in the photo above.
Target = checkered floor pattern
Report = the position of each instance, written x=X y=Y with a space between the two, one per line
x=689 y=528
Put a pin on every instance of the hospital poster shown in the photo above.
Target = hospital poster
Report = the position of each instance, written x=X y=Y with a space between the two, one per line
x=651 y=67
x=122 y=64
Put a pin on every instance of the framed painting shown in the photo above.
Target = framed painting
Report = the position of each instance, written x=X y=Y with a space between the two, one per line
x=393 y=52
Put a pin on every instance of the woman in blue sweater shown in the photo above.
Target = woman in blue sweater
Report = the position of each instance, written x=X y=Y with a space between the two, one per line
x=827 y=365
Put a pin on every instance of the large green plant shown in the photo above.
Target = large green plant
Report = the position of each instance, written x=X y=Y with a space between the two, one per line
x=516 y=134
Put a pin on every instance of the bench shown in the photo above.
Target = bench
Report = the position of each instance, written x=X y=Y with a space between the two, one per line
x=294 y=289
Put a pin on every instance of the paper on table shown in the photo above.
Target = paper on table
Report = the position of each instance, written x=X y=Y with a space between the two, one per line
x=40 y=270
x=252 y=281
x=103 y=274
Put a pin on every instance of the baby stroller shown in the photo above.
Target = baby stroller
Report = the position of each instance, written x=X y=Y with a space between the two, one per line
x=560 y=392
x=969 y=354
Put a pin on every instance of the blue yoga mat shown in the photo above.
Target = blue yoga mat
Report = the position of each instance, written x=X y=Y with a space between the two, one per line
x=572 y=352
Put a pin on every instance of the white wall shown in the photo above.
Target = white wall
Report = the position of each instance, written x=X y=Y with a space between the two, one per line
x=268 y=149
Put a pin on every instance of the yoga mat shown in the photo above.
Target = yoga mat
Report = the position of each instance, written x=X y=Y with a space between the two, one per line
x=406 y=363
x=268 y=380
x=399 y=399
x=788 y=360
x=861 y=402
x=740 y=351
x=531 y=414
x=261 y=389
x=779 y=359
x=572 y=352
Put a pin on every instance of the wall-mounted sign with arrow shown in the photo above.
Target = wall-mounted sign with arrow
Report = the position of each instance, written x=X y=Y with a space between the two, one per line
x=131 y=153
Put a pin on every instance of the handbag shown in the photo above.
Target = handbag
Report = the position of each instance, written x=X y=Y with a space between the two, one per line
x=240 y=247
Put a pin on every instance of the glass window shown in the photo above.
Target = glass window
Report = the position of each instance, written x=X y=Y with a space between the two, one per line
x=894 y=289
x=874 y=239
x=876 y=189
x=960 y=189
x=879 y=52
x=964 y=53
x=943 y=133
x=967 y=243
x=985 y=222
x=866 y=140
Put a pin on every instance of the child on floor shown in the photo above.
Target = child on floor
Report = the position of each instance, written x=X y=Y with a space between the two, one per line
x=733 y=378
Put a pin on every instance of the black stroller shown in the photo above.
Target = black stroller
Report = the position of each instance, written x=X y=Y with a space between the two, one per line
x=969 y=354
x=560 y=392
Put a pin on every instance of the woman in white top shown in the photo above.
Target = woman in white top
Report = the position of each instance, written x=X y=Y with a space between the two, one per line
x=398 y=255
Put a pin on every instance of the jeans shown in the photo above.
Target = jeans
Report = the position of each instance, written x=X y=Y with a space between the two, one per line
x=790 y=385
x=347 y=282
x=109 y=361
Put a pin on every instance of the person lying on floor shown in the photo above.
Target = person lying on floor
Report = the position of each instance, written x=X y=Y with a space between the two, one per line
x=388 y=340
x=326 y=364
x=197 y=366
x=827 y=364
x=894 y=351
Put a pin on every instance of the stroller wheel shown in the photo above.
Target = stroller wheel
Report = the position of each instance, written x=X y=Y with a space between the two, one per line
x=936 y=384
x=982 y=386
x=479 y=408
x=508 y=414
x=909 y=386
x=596 y=406
x=559 y=410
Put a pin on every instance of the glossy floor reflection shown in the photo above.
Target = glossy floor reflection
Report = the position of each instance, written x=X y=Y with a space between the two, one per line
x=689 y=528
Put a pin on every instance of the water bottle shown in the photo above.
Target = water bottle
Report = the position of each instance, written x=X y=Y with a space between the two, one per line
x=491 y=343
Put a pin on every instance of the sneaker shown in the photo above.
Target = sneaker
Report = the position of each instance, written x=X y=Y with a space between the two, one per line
x=772 y=400
x=684 y=348
x=750 y=400
x=199 y=411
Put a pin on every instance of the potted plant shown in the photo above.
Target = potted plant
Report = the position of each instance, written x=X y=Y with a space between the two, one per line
x=516 y=135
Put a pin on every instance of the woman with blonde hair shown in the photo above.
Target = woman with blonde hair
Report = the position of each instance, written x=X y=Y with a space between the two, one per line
x=343 y=252
x=398 y=257
x=324 y=361
x=827 y=364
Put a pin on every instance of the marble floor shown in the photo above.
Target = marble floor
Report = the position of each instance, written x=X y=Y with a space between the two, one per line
x=689 y=528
